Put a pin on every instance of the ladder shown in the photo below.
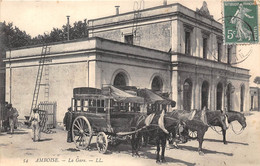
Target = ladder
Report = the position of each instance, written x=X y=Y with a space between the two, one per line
x=135 y=29
x=46 y=85
x=45 y=50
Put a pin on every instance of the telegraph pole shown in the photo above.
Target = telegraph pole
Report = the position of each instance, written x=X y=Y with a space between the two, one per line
x=68 y=28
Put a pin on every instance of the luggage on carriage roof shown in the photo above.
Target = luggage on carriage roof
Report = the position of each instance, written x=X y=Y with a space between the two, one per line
x=86 y=90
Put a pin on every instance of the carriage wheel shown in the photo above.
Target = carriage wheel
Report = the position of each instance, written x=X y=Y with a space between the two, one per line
x=102 y=142
x=193 y=134
x=81 y=132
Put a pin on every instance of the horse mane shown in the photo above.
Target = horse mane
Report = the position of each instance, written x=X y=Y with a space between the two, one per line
x=232 y=111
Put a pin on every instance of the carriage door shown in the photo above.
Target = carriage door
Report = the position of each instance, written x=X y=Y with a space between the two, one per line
x=204 y=94
x=219 y=96
x=187 y=93
x=242 y=93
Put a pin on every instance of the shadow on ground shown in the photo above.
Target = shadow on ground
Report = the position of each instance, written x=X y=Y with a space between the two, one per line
x=229 y=142
x=206 y=151
x=145 y=152
x=168 y=159
x=45 y=139
x=72 y=149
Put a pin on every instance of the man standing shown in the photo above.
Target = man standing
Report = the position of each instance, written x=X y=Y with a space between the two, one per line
x=12 y=115
x=35 y=119
x=67 y=120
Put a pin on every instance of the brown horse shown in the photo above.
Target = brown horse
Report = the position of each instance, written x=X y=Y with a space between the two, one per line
x=200 y=126
x=154 y=129
x=232 y=116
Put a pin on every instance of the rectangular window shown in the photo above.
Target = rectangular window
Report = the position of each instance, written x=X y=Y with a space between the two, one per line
x=229 y=52
x=129 y=39
x=219 y=52
x=85 y=105
x=187 y=43
x=78 y=105
x=205 y=47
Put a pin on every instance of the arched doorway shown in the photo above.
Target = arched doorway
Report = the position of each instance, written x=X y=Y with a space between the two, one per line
x=242 y=96
x=157 y=84
x=120 y=80
x=229 y=97
x=219 y=96
x=187 y=94
x=204 y=94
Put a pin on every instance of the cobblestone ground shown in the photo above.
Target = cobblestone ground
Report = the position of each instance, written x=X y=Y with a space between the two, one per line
x=243 y=149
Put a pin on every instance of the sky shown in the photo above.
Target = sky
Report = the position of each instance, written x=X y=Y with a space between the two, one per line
x=37 y=17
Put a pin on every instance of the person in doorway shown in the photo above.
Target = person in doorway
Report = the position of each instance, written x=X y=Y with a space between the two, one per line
x=35 y=120
x=67 y=120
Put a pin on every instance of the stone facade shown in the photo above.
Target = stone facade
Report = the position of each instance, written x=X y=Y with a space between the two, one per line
x=165 y=28
x=94 y=62
x=158 y=58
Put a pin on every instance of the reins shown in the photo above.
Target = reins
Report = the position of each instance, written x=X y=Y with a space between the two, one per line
x=214 y=129
x=241 y=130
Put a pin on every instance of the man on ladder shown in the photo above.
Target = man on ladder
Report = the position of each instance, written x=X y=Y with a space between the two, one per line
x=35 y=119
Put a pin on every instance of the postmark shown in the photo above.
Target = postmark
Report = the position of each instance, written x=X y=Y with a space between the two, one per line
x=240 y=22
x=237 y=53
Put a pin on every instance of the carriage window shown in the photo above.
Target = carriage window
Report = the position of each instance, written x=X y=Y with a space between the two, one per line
x=102 y=103
x=73 y=104
x=78 y=105
x=98 y=103
x=85 y=105
x=94 y=102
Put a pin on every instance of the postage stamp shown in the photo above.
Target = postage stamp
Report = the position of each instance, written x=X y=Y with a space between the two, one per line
x=240 y=22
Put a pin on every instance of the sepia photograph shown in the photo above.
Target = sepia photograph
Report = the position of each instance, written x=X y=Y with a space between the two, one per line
x=129 y=82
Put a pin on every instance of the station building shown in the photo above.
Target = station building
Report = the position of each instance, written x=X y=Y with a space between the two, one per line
x=168 y=48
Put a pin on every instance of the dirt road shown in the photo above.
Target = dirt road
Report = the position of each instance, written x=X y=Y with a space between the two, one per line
x=243 y=149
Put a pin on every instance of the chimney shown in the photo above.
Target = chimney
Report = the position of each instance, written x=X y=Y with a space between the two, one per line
x=68 y=28
x=117 y=9
x=164 y=2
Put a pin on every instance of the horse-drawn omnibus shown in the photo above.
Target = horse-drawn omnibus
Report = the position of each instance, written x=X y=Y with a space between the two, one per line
x=109 y=114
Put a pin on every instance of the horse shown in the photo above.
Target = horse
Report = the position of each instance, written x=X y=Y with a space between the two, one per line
x=201 y=122
x=232 y=116
x=160 y=133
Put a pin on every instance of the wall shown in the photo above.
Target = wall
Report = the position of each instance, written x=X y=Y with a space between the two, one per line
x=153 y=35
x=64 y=75
x=140 y=74
x=199 y=70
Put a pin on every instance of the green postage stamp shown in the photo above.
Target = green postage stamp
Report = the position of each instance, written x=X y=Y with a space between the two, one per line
x=240 y=22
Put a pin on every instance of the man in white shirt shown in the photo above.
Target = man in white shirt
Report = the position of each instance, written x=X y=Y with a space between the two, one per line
x=35 y=119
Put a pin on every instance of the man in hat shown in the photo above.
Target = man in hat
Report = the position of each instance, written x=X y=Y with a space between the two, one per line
x=35 y=119
x=67 y=120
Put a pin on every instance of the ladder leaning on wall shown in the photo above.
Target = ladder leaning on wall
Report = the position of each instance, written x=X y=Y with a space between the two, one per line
x=45 y=51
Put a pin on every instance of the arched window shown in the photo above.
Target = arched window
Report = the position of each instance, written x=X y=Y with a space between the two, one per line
x=120 y=79
x=187 y=94
x=204 y=94
x=219 y=96
x=157 y=84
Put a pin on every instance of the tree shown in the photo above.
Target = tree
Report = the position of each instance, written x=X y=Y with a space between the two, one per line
x=257 y=80
x=13 y=37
